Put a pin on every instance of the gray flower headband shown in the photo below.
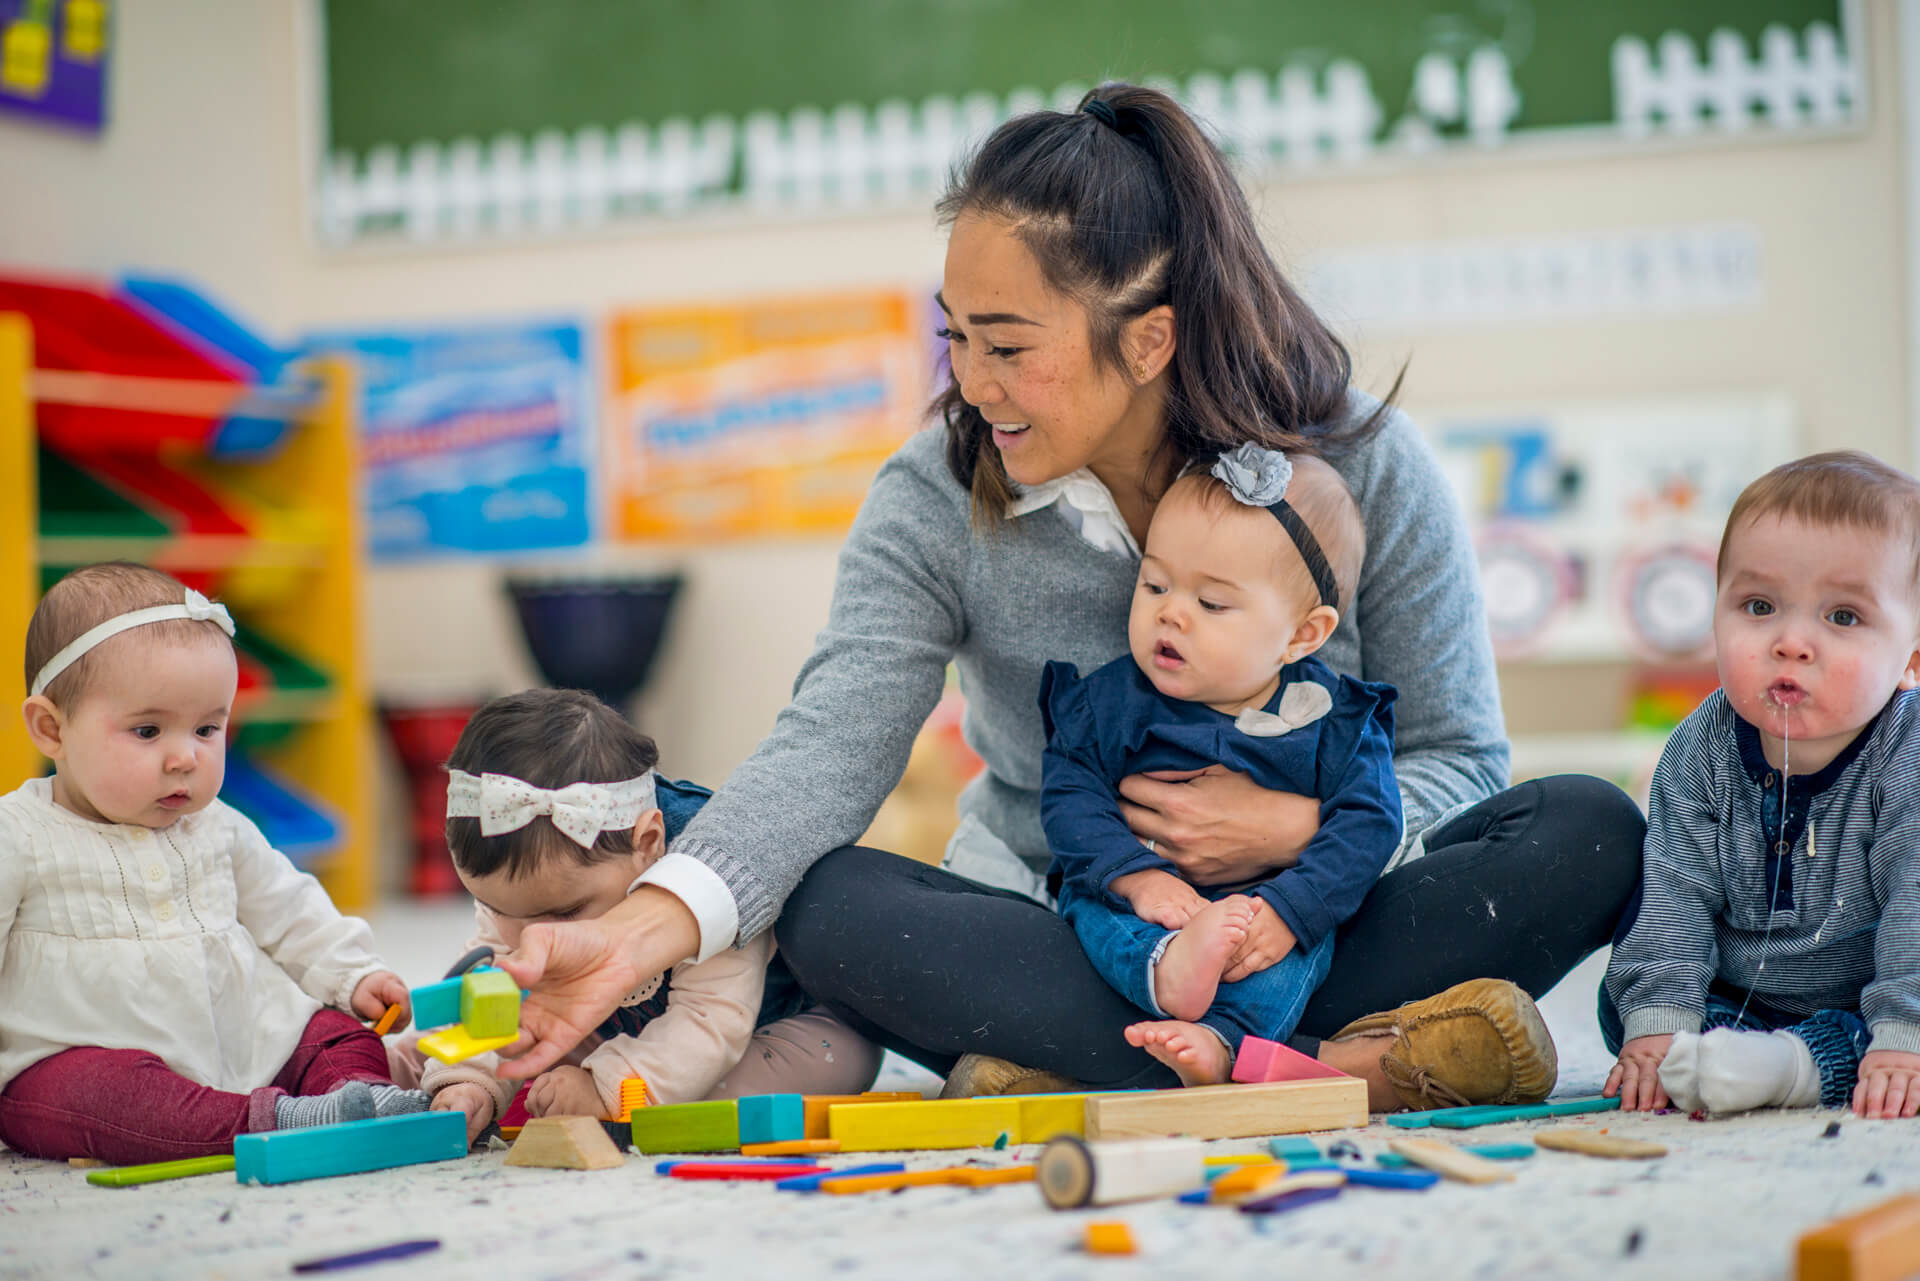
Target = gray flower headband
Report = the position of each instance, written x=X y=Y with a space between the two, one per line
x=1258 y=478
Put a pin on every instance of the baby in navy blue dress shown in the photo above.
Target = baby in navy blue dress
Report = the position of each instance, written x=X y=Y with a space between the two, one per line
x=1246 y=570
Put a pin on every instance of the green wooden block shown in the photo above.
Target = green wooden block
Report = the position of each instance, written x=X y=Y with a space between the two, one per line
x=129 y=1175
x=1468 y=1118
x=489 y=1004
x=712 y=1126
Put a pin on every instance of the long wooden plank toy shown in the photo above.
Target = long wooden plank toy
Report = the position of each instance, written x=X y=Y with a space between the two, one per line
x=353 y=1147
x=1230 y=1111
x=1880 y=1243
x=1594 y=1143
x=1444 y=1158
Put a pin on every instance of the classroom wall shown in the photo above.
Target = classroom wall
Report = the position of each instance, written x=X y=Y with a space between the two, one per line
x=202 y=173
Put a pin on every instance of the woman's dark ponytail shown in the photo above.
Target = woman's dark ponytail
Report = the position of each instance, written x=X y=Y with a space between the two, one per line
x=1127 y=205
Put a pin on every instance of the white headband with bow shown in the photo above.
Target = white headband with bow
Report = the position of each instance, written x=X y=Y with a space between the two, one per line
x=582 y=811
x=195 y=608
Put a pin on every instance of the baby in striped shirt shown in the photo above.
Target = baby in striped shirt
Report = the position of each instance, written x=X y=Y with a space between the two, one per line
x=1772 y=958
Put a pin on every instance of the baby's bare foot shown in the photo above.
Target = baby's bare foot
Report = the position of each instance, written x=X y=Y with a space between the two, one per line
x=1193 y=1051
x=1189 y=970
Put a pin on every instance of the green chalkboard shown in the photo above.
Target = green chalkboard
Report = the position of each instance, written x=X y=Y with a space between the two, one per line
x=403 y=71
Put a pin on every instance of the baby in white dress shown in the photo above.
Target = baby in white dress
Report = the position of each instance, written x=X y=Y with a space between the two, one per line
x=168 y=979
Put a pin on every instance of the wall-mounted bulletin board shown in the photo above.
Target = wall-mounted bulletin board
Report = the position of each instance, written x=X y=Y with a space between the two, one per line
x=450 y=119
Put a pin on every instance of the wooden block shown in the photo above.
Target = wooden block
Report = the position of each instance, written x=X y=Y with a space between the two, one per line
x=1594 y=1143
x=1110 y=1238
x=791 y=1148
x=84 y=1163
x=1881 y=1243
x=1264 y=1185
x=974 y=1176
x=812 y=1182
x=1259 y=1061
x=565 y=1143
x=717 y=1171
x=932 y=1123
x=436 y=1004
x=1045 y=1116
x=131 y=1175
x=1403 y=1180
x=711 y=1126
x=1444 y=1158
x=1246 y=1180
x=1469 y=1118
x=1074 y=1173
x=287 y=1156
x=510 y=1132
x=1491 y=1151
x=1291 y=1148
x=1230 y=1111
x=772 y=1118
x=489 y=1003
x=853 y=1185
x=454 y=1044
x=816 y=1106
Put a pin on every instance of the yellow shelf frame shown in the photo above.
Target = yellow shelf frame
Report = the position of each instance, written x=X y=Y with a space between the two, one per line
x=330 y=756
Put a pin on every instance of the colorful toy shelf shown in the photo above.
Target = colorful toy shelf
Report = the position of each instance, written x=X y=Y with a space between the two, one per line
x=134 y=424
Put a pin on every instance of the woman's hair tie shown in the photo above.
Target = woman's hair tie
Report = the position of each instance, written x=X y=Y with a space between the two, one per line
x=1259 y=477
x=1102 y=110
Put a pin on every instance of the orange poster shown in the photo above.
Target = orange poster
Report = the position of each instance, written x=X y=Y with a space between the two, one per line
x=759 y=418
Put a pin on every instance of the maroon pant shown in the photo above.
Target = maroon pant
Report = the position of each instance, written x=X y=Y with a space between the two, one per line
x=127 y=1107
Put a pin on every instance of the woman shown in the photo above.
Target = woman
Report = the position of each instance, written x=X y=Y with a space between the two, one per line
x=1112 y=314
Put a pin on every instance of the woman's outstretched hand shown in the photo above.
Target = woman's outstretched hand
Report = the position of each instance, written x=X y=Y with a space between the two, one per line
x=1217 y=826
x=578 y=972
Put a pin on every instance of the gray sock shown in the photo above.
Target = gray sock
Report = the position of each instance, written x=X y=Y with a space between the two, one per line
x=350 y=1102
x=391 y=1100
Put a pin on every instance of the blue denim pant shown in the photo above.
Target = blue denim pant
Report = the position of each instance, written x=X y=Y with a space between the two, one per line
x=1125 y=948
x=1837 y=1037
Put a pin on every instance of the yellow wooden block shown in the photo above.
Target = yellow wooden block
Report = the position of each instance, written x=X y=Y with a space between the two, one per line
x=933 y=1123
x=454 y=1044
x=1110 y=1238
x=1238 y=1158
x=814 y=1107
x=1042 y=1116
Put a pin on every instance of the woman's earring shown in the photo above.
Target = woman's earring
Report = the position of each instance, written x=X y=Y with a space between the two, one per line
x=1140 y=372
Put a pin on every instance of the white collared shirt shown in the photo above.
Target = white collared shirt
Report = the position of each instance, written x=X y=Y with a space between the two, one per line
x=1089 y=508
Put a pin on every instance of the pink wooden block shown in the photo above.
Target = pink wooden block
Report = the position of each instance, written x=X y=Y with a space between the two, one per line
x=1261 y=1061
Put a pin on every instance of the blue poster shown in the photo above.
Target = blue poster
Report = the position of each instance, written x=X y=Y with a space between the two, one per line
x=472 y=439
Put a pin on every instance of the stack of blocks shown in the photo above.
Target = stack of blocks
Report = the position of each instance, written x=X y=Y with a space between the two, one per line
x=476 y=1012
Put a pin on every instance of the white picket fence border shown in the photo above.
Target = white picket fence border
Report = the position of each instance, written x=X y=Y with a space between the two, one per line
x=897 y=153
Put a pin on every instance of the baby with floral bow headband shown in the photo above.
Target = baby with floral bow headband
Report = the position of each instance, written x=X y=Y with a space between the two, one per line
x=170 y=980
x=555 y=813
x=1249 y=563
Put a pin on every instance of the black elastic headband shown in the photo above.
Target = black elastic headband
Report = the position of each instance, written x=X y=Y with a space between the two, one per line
x=1309 y=551
x=1103 y=111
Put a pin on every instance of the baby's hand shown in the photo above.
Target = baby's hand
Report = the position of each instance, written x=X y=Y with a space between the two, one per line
x=379 y=990
x=1889 y=1084
x=564 y=1091
x=1636 y=1077
x=474 y=1100
x=1159 y=897
x=1268 y=941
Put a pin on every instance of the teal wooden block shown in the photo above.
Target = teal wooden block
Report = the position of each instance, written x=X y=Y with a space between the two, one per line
x=712 y=1126
x=1468 y=1118
x=288 y=1156
x=489 y=1003
x=772 y=1118
x=436 y=1004
x=1491 y=1151
x=1291 y=1147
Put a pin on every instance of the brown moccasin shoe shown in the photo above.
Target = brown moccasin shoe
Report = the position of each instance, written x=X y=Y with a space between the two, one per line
x=981 y=1074
x=1482 y=1041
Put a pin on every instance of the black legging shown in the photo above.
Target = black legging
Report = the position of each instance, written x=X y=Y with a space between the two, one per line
x=1522 y=886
